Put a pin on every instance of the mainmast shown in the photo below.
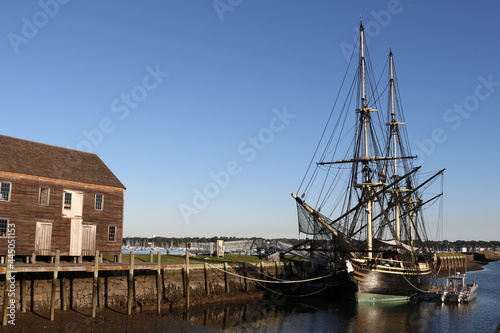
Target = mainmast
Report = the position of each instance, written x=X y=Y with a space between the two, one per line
x=365 y=122
x=394 y=136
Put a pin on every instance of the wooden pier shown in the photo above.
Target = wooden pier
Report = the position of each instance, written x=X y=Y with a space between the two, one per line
x=130 y=285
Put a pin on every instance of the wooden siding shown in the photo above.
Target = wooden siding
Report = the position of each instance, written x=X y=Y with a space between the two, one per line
x=24 y=211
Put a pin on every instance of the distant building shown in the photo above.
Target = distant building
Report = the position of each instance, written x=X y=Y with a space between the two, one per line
x=53 y=198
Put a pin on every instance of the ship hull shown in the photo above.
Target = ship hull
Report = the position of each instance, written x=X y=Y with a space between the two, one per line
x=377 y=282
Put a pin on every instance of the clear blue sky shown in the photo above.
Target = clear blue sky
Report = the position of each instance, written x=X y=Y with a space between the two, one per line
x=227 y=98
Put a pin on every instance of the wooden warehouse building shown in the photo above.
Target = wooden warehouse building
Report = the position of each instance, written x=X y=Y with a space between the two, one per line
x=54 y=198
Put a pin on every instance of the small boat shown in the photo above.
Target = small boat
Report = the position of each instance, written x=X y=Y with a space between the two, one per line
x=457 y=290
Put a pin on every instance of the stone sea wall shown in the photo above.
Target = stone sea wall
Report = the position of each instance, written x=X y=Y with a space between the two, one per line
x=74 y=290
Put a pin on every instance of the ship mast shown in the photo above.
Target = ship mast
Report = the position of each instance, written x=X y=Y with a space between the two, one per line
x=365 y=122
x=394 y=133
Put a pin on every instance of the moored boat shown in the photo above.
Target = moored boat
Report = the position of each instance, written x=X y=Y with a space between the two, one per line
x=457 y=290
x=374 y=230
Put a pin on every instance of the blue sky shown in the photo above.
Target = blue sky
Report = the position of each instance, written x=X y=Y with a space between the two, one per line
x=209 y=111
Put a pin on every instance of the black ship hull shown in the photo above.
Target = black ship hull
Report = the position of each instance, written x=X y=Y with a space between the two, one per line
x=382 y=282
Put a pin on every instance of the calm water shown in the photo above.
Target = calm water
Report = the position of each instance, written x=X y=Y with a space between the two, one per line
x=286 y=314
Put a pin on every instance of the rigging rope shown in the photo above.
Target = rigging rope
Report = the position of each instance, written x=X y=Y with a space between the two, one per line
x=267 y=281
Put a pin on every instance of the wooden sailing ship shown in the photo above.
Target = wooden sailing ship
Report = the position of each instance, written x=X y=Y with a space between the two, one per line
x=365 y=218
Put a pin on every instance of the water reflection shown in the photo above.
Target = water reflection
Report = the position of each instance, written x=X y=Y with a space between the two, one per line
x=336 y=315
x=313 y=315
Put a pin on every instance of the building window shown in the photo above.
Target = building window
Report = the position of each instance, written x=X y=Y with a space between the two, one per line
x=43 y=197
x=67 y=200
x=5 y=191
x=3 y=227
x=112 y=233
x=99 y=201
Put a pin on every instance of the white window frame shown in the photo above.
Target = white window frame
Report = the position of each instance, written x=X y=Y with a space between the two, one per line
x=102 y=201
x=115 y=229
x=40 y=195
x=8 y=194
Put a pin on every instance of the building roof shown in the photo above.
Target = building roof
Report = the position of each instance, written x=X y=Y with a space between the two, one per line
x=38 y=159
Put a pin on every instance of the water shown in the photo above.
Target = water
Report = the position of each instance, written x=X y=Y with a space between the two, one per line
x=286 y=314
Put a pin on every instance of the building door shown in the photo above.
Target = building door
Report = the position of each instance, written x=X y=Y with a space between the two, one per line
x=73 y=209
x=75 y=239
x=43 y=238
x=72 y=203
x=88 y=239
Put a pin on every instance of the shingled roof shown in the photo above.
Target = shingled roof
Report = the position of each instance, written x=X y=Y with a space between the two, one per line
x=38 y=159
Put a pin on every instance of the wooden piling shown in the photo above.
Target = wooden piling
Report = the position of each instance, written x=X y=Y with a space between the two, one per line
x=245 y=274
x=130 y=295
x=151 y=256
x=205 y=271
x=64 y=303
x=226 y=277
x=100 y=291
x=54 y=285
x=24 y=295
x=94 y=283
x=158 y=285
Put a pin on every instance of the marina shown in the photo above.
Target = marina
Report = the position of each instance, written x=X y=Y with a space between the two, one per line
x=234 y=166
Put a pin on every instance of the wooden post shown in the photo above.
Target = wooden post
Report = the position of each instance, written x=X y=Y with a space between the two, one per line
x=6 y=298
x=24 y=294
x=245 y=281
x=130 y=296
x=151 y=256
x=226 y=278
x=120 y=257
x=100 y=291
x=64 y=303
x=158 y=285
x=186 y=285
x=205 y=270
x=54 y=285
x=94 y=283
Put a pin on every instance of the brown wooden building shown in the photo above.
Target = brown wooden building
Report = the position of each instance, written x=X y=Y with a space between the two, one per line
x=53 y=198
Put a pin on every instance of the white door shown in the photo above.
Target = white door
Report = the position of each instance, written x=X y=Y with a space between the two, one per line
x=43 y=238
x=88 y=239
x=72 y=203
x=75 y=239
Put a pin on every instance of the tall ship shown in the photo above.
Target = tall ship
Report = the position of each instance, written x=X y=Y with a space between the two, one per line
x=362 y=201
